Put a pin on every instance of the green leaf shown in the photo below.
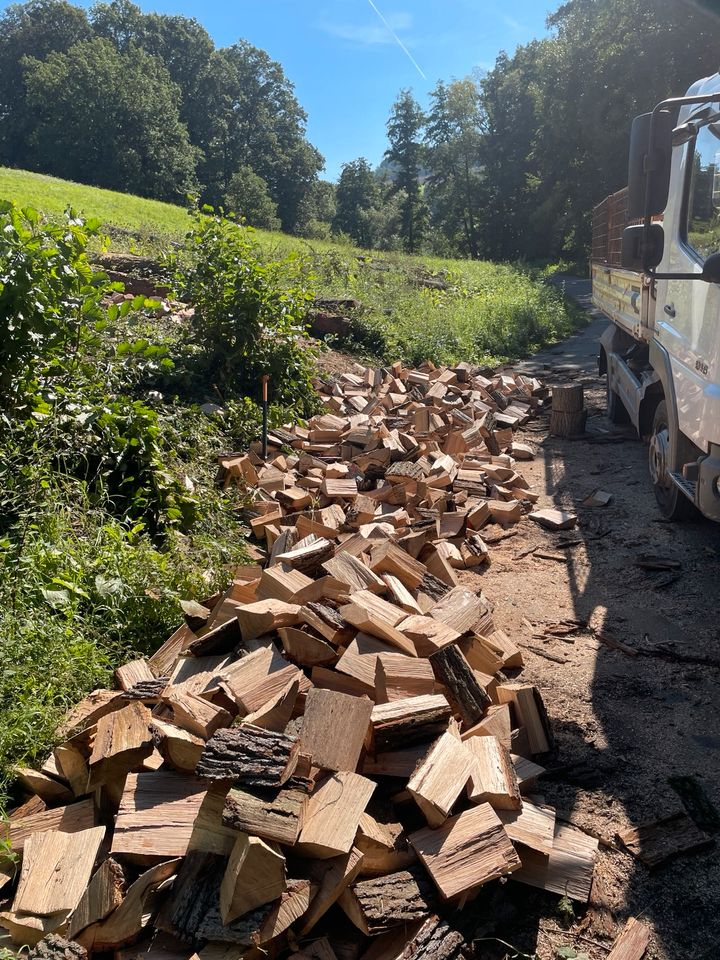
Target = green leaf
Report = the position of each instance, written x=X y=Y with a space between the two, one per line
x=108 y=586
x=58 y=599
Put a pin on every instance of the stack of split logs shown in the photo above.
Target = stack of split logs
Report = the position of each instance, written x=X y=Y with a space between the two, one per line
x=336 y=755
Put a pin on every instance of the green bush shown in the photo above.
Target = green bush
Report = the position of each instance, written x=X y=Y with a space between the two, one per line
x=249 y=313
x=49 y=298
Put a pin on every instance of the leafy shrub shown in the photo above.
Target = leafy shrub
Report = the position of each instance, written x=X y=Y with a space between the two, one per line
x=249 y=313
x=49 y=295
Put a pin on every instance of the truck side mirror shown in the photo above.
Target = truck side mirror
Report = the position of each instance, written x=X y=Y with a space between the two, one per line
x=637 y=251
x=711 y=269
x=649 y=161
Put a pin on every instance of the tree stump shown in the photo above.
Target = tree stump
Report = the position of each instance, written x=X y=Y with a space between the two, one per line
x=568 y=415
x=568 y=398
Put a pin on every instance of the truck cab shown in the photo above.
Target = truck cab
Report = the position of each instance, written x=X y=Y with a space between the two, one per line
x=656 y=275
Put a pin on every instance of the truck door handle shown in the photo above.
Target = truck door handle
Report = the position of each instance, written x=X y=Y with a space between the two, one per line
x=669 y=309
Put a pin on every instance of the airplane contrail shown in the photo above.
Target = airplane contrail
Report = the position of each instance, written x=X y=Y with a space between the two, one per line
x=397 y=40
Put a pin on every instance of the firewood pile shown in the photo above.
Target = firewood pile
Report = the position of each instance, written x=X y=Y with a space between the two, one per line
x=335 y=756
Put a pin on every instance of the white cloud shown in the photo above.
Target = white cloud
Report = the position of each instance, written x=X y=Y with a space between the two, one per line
x=369 y=34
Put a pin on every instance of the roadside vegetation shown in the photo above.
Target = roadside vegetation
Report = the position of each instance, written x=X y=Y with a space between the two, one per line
x=108 y=513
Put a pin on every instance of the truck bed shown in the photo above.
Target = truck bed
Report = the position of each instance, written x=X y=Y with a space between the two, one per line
x=622 y=297
x=619 y=293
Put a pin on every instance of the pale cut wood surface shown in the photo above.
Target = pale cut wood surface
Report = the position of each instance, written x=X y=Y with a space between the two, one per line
x=533 y=825
x=467 y=851
x=157 y=814
x=398 y=677
x=255 y=874
x=56 y=870
x=104 y=893
x=334 y=728
x=440 y=778
x=493 y=778
x=332 y=877
x=69 y=819
x=632 y=943
x=568 y=870
x=333 y=814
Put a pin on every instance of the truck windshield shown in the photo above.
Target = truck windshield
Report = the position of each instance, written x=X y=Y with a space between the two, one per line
x=703 y=224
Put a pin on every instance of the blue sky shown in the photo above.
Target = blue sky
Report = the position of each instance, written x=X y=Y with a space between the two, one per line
x=346 y=65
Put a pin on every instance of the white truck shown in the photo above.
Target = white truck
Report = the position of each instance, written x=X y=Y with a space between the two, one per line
x=656 y=275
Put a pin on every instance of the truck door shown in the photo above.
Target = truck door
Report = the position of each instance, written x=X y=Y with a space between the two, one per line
x=688 y=312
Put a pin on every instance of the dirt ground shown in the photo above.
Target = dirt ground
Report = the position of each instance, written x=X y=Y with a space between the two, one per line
x=623 y=724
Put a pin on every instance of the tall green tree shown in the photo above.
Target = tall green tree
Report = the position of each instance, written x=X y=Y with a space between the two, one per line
x=406 y=153
x=110 y=119
x=248 y=196
x=358 y=196
x=34 y=29
x=454 y=137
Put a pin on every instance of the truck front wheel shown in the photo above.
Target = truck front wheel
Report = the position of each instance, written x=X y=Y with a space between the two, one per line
x=672 y=502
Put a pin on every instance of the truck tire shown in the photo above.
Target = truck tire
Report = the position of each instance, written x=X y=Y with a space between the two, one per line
x=614 y=407
x=674 y=505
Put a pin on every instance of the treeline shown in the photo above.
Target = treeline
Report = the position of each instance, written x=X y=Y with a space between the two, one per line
x=146 y=104
x=510 y=165
x=503 y=166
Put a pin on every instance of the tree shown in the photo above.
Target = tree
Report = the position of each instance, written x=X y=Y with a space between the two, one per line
x=247 y=113
x=454 y=137
x=358 y=197
x=406 y=153
x=248 y=196
x=35 y=29
x=110 y=119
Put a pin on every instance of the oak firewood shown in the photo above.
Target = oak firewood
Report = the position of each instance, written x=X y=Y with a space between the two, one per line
x=530 y=713
x=255 y=875
x=180 y=748
x=466 y=851
x=440 y=778
x=56 y=869
x=398 y=677
x=195 y=714
x=401 y=723
x=103 y=894
x=265 y=813
x=126 y=922
x=263 y=616
x=383 y=903
x=250 y=755
x=493 y=778
x=334 y=728
x=454 y=672
x=121 y=743
x=333 y=814
x=305 y=648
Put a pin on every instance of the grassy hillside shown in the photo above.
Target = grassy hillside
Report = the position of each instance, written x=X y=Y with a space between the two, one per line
x=484 y=311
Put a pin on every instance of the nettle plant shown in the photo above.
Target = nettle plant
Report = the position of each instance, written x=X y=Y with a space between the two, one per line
x=250 y=312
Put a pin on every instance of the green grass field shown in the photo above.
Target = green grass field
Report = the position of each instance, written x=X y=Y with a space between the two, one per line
x=488 y=312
